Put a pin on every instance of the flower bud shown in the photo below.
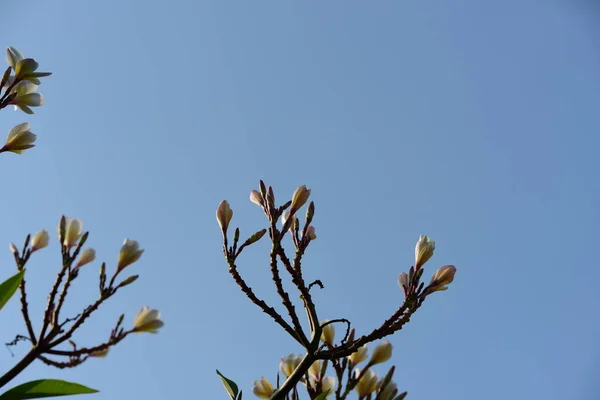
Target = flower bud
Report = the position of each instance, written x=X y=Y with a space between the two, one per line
x=285 y=217
x=100 y=353
x=19 y=139
x=289 y=363
x=403 y=281
x=315 y=370
x=382 y=353
x=441 y=278
x=389 y=391
x=40 y=240
x=310 y=232
x=256 y=198
x=328 y=384
x=13 y=249
x=73 y=231
x=359 y=355
x=367 y=384
x=423 y=251
x=13 y=56
x=224 y=215
x=147 y=320
x=130 y=253
x=86 y=257
x=299 y=198
x=263 y=388
x=328 y=333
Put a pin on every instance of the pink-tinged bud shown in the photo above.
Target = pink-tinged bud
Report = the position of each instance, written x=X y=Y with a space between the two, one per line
x=328 y=333
x=224 y=215
x=73 y=231
x=263 y=388
x=382 y=353
x=19 y=139
x=289 y=363
x=359 y=356
x=86 y=257
x=147 y=320
x=403 y=281
x=130 y=253
x=256 y=198
x=441 y=278
x=299 y=198
x=40 y=240
x=367 y=384
x=310 y=232
x=423 y=251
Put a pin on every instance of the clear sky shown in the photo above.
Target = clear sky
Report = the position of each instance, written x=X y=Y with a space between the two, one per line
x=474 y=122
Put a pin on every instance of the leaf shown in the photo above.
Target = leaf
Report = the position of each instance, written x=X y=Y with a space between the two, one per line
x=9 y=287
x=229 y=385
x=45 y=388
x=322 y=396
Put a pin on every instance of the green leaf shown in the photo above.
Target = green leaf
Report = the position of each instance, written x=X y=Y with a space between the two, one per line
x=9 y=287
x=45 y=388
x=229 y=385
x=322 y=396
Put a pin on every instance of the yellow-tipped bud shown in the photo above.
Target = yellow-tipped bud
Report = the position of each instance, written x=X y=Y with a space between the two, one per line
x=382 y=353
x=73 y=231
x=147 y=320
x=289 y=363
x=441 y=278
x=423 y=251
x=263 y=388
x=40 y=240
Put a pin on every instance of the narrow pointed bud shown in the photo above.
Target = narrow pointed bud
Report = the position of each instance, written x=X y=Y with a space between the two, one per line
x=389 y=391
x=289 y=364
x=382 y=353
x=328 y=333
x=147 y=320
x=86 y=257
x=100 y=353
x=256 y=198
x=19 y=139
x=130 y=253
x=263 y=388
x=299 y=198
x=359 y=355
x=441 y=278
x=423 y=251
x=255 y=238
x=310 y=212
x=129 y=280
x=40 y=240
x=13 y=249
x=224 y=215
x=263 y=188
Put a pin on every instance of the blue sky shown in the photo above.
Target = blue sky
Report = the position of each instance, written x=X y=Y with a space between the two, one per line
x=473 y=122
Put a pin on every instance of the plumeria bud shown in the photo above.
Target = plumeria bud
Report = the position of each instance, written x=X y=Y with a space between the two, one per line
x=13 y=249
x=423 y=251
x=367 y=383
x=310 y=232
x=359 y=355
x=86 y=257
x=13 y=56
x=224 y=215
x=40 y=240
x=441 y=278
x=263 y=388
x=19 y=139
x=256 y=198
x=315 y=370
x=130 y=253
x=255 y=237
x=73 y=231
x=25 y=97
x=382 y=353
x=299 y=198
x=285 y=217
x=328 y=333
x=403 y=281
x=389 y=391
x=100 y=353
x=289 y=363
x=147 y=320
